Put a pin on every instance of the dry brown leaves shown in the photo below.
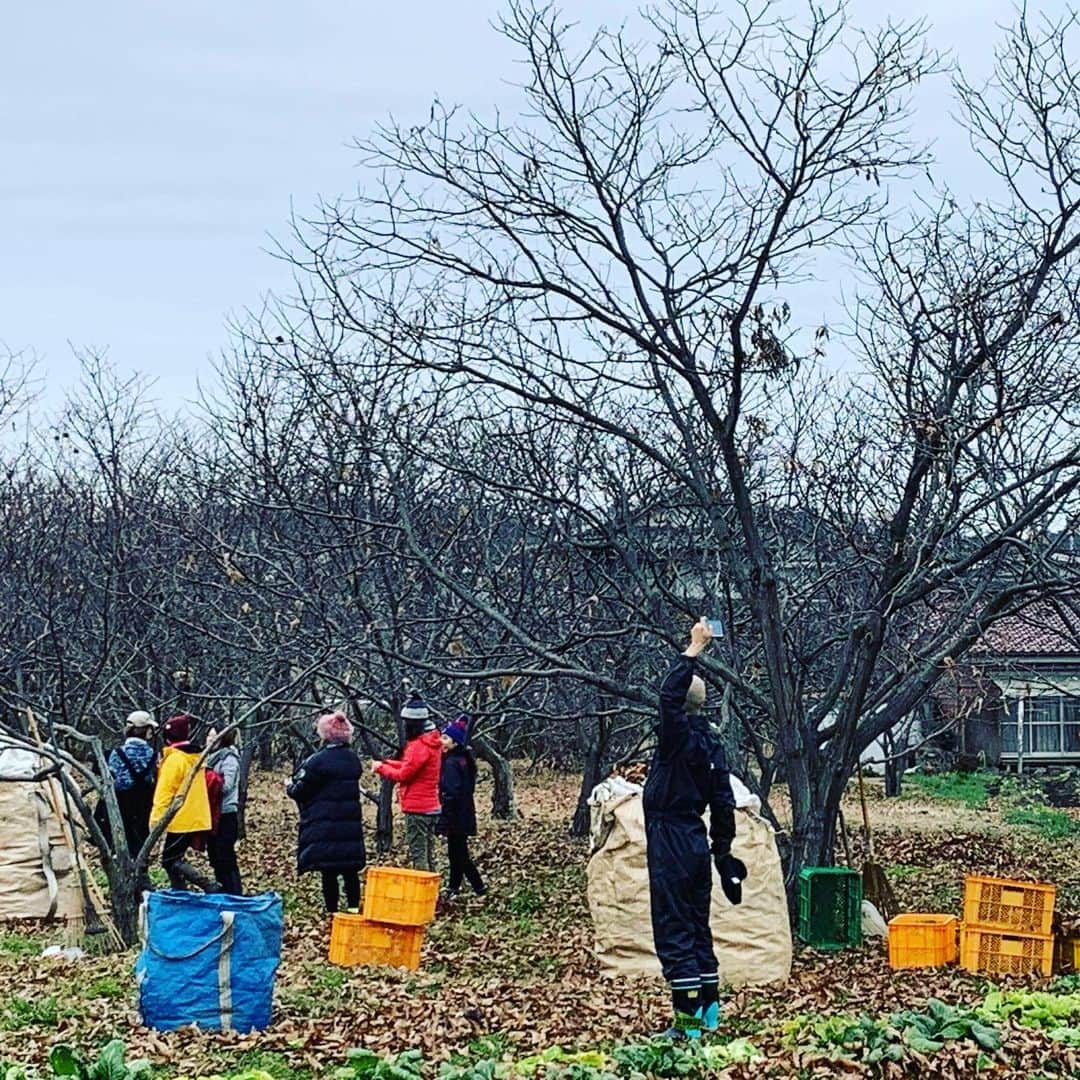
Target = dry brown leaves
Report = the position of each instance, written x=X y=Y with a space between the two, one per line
x=520 y=964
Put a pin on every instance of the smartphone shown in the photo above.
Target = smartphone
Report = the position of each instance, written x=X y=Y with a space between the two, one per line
x=716 y=626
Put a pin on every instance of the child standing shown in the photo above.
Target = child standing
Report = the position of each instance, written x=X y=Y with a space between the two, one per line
x=457 y=786
x=326 y=787
x=417 y=777
x=221 y=847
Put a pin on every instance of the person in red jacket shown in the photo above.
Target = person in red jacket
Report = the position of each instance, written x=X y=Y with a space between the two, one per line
x=417 y=777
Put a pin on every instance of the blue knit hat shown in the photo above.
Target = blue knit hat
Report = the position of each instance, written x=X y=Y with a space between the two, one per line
x=458 y=729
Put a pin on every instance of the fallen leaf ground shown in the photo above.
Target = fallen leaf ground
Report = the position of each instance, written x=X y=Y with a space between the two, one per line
x=515 y=973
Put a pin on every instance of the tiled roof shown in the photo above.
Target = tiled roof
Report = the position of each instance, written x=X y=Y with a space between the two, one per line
x=1041 y=629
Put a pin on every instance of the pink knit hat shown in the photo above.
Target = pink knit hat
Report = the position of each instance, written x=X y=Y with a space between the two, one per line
x=334 y=728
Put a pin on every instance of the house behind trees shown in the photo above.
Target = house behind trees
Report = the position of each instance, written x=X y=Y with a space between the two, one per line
x=1014 y=702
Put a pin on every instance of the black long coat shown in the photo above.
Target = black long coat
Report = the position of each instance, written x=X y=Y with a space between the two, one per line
x=326 y=787
x=457 y=784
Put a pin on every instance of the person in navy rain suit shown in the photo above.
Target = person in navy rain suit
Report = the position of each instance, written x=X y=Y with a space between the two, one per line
x=688 y=775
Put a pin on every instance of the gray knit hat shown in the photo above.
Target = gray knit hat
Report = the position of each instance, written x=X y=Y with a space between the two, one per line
x=417 y=715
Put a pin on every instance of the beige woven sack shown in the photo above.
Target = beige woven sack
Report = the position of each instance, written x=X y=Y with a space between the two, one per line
x=753 y=940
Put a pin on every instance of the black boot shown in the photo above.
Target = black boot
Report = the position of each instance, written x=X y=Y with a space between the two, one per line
x=177 y=881
x=186 y=872
x=686 y=1004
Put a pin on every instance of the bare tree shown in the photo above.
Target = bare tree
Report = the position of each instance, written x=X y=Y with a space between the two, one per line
x=17 y=384
x=628 y=260
x=550 y=391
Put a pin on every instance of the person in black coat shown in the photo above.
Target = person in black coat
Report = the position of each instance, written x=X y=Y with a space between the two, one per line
x=326 y=787
x=687 y=776
x=457 y=822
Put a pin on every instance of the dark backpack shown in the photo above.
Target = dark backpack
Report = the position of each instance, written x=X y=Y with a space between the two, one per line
x=145 y=778
x=136 y=802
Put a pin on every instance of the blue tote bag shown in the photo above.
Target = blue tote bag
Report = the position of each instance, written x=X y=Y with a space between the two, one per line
x=209 y=959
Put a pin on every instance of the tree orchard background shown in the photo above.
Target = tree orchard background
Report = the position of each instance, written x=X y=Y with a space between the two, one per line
x=546 y=392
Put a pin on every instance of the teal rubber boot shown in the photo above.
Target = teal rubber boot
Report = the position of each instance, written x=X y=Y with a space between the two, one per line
x=710 y=1004
x=709 y=1015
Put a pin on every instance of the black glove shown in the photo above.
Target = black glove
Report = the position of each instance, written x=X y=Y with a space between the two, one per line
x=732 y=873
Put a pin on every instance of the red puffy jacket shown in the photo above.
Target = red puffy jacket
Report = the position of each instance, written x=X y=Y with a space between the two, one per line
x=418 y=774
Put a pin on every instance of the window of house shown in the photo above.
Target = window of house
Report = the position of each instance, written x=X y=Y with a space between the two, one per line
x=1051 y=726
x=1071 y=725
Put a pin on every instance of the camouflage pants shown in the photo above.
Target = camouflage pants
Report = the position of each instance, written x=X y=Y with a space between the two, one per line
x=420 y=837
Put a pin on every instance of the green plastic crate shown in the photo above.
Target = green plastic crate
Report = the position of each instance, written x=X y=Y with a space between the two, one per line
x=830 y=907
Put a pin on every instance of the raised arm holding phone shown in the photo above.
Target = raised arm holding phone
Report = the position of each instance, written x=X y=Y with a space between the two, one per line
x=688 y=775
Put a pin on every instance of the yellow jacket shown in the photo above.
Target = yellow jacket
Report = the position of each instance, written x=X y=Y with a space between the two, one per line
x=194 y=814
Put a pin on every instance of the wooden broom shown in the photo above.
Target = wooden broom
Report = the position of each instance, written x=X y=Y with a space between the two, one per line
x=844 y=838
x=876 y=887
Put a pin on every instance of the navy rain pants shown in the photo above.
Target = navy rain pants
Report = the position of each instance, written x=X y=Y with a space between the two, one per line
x=680 y=887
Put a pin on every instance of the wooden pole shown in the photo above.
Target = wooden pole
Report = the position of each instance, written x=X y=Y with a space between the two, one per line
x=865 y=817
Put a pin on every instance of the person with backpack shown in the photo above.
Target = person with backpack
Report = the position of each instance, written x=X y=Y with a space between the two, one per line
x=179 y=760
x=687 y=776
x=133 y=771
x=326 y=787
x=417 y=777
x=221 y=844
x=457 y=822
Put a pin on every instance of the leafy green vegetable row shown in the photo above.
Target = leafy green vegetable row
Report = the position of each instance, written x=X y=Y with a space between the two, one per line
x=861 y=1038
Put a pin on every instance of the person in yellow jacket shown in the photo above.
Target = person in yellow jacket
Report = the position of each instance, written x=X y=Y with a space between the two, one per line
x=178 y=759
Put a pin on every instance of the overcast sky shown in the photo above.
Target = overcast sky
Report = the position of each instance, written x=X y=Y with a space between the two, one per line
x=150 y=150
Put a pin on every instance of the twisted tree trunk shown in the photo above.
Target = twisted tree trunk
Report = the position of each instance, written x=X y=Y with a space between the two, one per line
x=503 y=804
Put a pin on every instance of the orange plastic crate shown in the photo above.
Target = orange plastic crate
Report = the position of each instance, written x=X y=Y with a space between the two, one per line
x=918 y=940
x=1005 y=904
x=997 y=952
x=401 y=897
x=355 y=940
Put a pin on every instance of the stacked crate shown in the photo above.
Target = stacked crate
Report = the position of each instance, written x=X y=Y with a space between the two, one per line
x=1007 y=927
x=398 y=906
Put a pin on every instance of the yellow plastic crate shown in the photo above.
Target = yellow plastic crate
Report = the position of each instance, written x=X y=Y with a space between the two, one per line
x=1067 y=955
x=355 y=940
x=400 y=897
x=998 y=952
x=921 y=940
x=1005 y=904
